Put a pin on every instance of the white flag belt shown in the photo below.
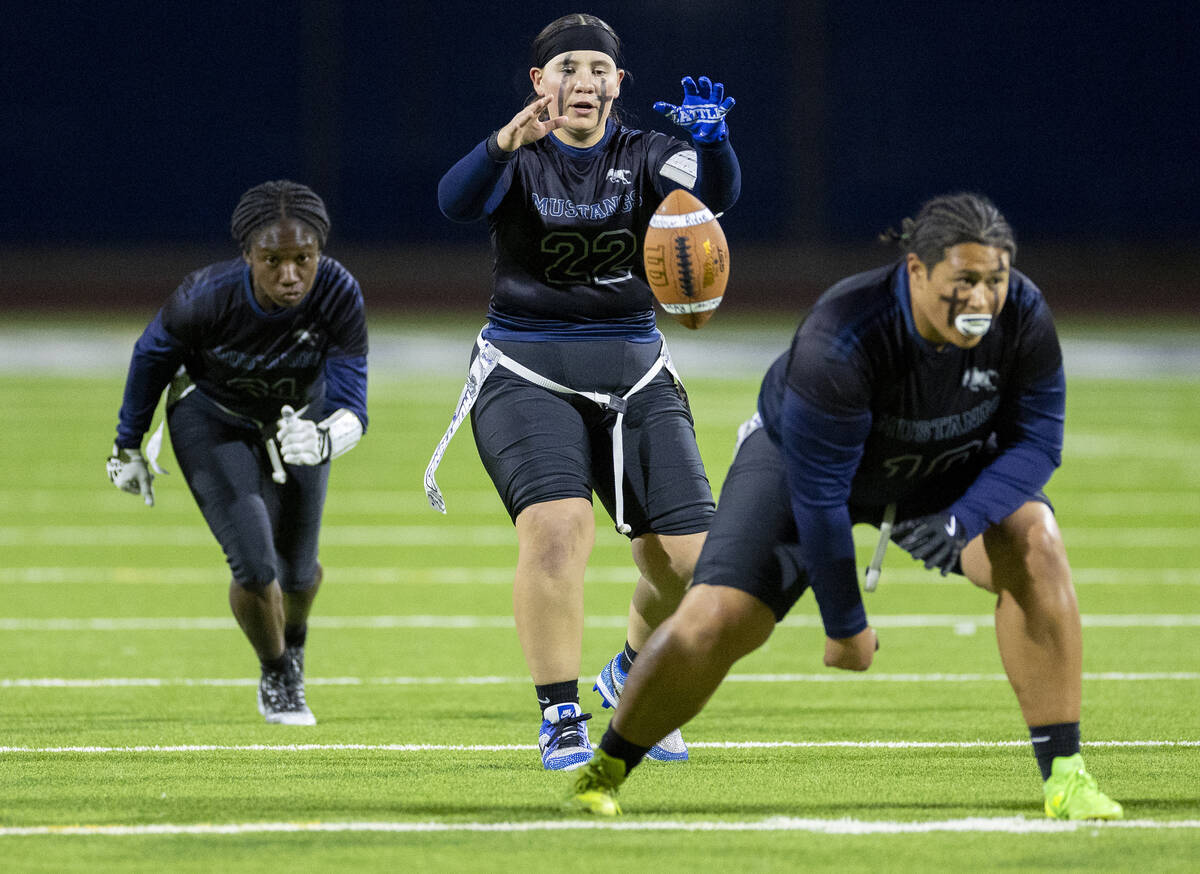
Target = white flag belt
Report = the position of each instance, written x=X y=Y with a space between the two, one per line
x=488 y=359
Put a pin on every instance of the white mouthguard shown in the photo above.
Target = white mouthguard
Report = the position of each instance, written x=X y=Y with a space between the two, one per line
x=973 y=324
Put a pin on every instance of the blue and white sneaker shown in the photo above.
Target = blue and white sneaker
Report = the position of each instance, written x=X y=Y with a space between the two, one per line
x=564 y=738
x=609 y=684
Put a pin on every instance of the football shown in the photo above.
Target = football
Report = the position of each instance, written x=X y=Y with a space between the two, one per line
x=686 y=258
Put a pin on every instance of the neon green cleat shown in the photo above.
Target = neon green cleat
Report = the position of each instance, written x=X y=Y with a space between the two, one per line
x=594 y=789
x=1071 y=793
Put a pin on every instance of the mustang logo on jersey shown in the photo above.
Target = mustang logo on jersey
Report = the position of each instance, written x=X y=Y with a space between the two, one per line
x=980 y=380
x=304 y=335
x=623 y=176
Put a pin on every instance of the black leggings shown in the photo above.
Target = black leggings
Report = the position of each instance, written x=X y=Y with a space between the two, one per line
x=268 y=531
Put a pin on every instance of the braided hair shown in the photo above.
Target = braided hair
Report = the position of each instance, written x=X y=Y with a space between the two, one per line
x=948 y=220
x=272 y=201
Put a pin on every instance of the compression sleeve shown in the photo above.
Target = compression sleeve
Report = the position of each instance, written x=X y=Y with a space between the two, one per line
x=821 y=452
x=156 y=357
x=346 y=386
x=718 y=175
x=1024 y=466
x=475 y=185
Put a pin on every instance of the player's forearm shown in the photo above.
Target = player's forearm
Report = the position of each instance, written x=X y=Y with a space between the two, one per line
x=827 y=545
x=155 y=360
x=1024 y=466
x=346 y=386
x=718 y=175
x=1011 y=480
x=464 y=191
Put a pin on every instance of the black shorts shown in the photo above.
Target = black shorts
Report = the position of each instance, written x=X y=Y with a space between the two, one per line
x=538 y=445
x=268 y=531
x=753 y=544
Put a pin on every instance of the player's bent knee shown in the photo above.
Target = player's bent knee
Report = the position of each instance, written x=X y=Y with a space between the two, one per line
x=305 y=583
x=256 y=584
x=723 y=621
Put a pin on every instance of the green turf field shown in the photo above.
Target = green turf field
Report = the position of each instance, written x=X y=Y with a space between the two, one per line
x=129 y=738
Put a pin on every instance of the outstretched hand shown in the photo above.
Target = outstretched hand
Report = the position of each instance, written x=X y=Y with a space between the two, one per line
x=527 y=126
x=702 y=113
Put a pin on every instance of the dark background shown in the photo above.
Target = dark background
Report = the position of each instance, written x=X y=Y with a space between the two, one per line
x=130 y=130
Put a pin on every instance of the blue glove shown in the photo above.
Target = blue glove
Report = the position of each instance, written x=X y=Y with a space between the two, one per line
x=702 y=113
x=937 y=539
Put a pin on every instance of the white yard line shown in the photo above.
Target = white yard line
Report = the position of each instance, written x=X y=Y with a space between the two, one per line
x=502 y=575
x=500 y=748
x=1007 y=825
x=163 y=682
x=961 y=624
x=70 y=350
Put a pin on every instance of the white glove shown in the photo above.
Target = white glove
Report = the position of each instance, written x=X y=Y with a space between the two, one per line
x=300 y=440
x=128 y=471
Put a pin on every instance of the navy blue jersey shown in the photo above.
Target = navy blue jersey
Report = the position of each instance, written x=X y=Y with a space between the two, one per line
x=867 y=413
x=250 y=361
x=567 y=226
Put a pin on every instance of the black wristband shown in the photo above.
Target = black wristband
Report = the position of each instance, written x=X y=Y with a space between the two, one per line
x=493 y=148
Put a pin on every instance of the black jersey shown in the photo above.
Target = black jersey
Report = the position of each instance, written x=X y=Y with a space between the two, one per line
x=567 y=235
x=248 y=360
x=931 y=410
x=866 y=413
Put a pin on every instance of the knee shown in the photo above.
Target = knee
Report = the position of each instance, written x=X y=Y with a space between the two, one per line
x=254 y=583
x=719 y=622
x=668 y=562
x=556 y=536
x=290 y=582
x=1040 y=570
x=1045 y=553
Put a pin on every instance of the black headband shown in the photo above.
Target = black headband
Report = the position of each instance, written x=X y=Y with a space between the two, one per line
x=578 y=38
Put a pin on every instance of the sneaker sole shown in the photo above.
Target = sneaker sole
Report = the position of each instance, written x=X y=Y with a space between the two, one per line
x=305 y=718
x=658 y=754
x=567 y=763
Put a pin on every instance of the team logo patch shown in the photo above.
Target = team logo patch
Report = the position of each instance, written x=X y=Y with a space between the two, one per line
x=980 y=380
x=304 y=335
x=625 y=177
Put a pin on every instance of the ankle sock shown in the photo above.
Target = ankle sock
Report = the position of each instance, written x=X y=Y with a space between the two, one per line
x=557 y=693
x=619 y=748
x=625 y=659
x=295 y=635
x=277 y=665
x=1052 y=741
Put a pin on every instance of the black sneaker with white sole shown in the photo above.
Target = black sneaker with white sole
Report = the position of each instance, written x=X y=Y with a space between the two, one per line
x=281 y=698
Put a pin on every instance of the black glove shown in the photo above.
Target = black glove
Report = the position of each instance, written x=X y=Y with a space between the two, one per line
x=937 y=539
